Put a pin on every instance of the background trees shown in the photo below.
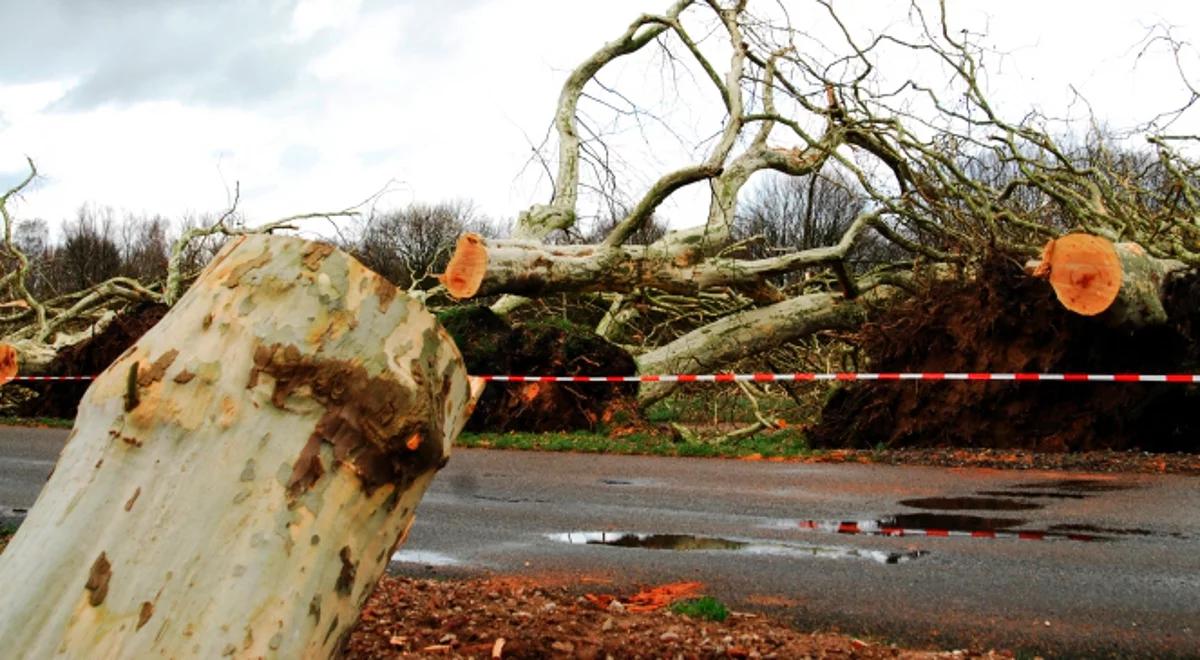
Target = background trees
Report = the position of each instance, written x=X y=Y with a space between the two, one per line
x=409 y=245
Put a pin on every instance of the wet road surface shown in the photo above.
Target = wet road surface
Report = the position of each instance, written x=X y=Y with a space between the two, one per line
x=1051 y=562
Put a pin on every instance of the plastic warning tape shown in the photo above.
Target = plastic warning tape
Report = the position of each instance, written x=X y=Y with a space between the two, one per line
x=46 y=378
x=854 y=376
x=875 y=528
x=808 y=376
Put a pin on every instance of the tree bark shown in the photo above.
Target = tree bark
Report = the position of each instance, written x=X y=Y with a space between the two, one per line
x=1143 y=277
x=675 y=264
x=1119 y=282
x=745 y=334
x=237 y=481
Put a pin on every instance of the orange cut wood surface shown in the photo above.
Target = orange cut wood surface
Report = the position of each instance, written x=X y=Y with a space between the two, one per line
x=1085 y=272
x=467 y=266
x=8 y=363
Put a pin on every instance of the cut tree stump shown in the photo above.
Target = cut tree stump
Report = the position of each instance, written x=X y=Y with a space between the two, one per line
x=1092 y=276
x=237 y=481
x=8 y=363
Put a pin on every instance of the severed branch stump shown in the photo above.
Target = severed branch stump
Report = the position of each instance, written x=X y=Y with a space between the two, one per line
x=1092 y=276
x=237 y=481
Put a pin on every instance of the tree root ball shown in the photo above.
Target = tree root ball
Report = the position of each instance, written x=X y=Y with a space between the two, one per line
x=88 y=358
x=490 y=346
x=1005 y=321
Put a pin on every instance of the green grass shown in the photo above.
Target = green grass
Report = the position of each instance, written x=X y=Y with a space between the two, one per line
x=704 y=406
x=785 y=443
x=53 y=422
x=705 y=607
x=789 y=442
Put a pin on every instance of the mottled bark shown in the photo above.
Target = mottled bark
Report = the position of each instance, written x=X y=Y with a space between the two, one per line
x=482 y=267
x=744 y=334
x=237 y=481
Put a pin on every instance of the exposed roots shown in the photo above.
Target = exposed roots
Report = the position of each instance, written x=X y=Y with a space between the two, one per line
x=1005 y=321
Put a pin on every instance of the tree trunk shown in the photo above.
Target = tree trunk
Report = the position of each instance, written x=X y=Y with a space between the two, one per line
x=745 y=334
x=675 y=263
x=1119 y=282
x=237 y=481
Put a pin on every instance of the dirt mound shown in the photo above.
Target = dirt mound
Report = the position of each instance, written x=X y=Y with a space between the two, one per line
x=1005 y=321
x=88 y=358
x=491 y=346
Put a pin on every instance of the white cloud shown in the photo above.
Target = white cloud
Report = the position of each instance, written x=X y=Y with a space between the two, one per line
x=312 y=16
x=314 y=105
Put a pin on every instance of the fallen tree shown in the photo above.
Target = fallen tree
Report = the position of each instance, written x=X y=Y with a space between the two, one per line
x=948 y=182
x=39 y=330
x=237 y=481
x=945 y=183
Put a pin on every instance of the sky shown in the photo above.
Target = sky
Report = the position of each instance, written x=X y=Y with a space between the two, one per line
x=156 y=106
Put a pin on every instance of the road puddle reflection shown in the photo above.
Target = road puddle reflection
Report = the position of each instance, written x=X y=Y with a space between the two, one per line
x=688 y=542
x=1027 y=496
x=970 y=504
x=425 y=557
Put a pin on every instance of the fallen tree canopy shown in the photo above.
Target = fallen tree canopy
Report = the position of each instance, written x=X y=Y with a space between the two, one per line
x=1005 y=321
x=929 y=176
x=60 y=399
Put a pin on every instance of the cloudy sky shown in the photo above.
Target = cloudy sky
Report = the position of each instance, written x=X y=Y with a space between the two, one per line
x=160 y=106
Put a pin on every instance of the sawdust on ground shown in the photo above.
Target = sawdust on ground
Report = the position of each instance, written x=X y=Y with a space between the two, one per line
x=525 y=618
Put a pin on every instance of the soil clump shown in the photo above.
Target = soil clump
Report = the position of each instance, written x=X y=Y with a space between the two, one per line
x=491 y=346
x=1005 y=321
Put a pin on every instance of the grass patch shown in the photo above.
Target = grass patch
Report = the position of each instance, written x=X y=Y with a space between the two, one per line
x=6 y=533
x=705 y=607
x=51 y=422
x=785 y=443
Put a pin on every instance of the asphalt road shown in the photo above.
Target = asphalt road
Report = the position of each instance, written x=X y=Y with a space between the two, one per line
x=1108 y=564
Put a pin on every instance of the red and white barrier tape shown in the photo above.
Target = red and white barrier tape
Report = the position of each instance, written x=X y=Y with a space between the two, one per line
x=875 y=528
x=854 y=376
x=803 y=377
x=46 y=378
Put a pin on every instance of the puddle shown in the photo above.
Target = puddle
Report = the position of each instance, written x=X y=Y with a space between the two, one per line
x=937 y=525
x=970 y=504
x=1116 y=531
x=1075 y=486
x=424 y=557
x=1031 y=494
x=13 y=512
x=905 y=524
x=510 y=500
x=826 y=552
x=686 y=542
x=963 y=523
x=1017 y=497
x=650 y=541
